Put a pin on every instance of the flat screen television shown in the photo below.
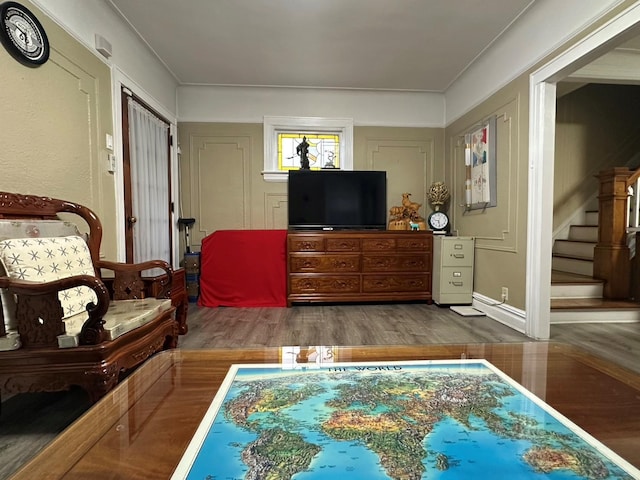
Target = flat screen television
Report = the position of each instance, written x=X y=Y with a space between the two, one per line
x=337 y=200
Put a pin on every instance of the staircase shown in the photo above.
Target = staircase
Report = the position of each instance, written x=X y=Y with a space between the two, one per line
x=576 y=297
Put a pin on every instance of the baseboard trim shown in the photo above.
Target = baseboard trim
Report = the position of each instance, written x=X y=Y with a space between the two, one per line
x=506 y=314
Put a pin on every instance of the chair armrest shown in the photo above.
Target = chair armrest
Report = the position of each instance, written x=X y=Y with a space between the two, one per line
x=128 y=282
x=27 y=287
x=39 y=312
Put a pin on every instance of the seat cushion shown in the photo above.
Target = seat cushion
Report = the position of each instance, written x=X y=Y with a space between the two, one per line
x=10 y=341
x=51 y=258
x=122 y=317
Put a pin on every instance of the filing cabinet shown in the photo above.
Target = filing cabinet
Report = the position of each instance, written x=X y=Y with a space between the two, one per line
x=453 y=270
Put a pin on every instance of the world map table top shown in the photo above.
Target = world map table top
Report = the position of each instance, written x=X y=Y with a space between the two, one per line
x=398 y=420
x=142 y=429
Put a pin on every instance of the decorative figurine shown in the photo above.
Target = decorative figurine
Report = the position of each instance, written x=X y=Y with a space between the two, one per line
x=406 y=217
x=303 y=151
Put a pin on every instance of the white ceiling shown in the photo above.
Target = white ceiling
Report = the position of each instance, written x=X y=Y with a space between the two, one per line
x=421 y=45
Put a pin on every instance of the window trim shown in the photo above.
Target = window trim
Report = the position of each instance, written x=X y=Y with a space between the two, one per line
x=275 y=125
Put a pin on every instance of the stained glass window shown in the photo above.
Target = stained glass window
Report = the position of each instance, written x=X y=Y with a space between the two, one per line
x=330 y=144
x=324 y=150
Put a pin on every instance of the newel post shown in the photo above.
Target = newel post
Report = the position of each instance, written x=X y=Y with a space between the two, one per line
x=611 y=254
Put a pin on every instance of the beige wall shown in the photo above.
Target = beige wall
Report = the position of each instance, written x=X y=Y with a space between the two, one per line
x=500 y=231
x=54 y=121
x=596 y=128
x=223 y=188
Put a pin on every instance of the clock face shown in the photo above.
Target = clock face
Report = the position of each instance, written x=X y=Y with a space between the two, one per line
x=438 y=220
x=22 y=35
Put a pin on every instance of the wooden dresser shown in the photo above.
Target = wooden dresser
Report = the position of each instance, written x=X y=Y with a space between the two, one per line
x=359 y=266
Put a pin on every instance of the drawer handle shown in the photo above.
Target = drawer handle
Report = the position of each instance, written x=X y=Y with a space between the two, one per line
x=457 y=284
x=458 y=255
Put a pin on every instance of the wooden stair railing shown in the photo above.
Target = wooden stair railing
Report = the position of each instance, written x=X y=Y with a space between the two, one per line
x=611 y=261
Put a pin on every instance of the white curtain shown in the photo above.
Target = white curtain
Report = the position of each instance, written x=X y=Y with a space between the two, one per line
x=149 y=158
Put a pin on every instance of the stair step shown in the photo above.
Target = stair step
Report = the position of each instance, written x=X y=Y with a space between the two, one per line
x=593 y=290
x=574 y=249
x=591 y=217
x=565 y=263
x=567 y=286
x=594 y=310
x=583 y=233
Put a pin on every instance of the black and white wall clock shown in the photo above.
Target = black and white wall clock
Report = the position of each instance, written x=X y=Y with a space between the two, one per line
x=438 y=221
x=23 y=35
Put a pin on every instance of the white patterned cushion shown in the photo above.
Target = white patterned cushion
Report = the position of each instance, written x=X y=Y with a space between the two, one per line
x=122 y=317
x=51 y=258
x=31 y=228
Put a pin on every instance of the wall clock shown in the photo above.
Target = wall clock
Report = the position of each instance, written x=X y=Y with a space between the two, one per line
x=23 y=35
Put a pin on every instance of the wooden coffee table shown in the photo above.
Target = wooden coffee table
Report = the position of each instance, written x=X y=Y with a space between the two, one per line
x=141 y=429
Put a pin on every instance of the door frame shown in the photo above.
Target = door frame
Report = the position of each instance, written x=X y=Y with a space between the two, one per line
x=122 y=80
x=542 y=104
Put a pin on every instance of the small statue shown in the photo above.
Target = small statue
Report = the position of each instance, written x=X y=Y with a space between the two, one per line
x=329 y=163
x=406 y=216
x=303 y=151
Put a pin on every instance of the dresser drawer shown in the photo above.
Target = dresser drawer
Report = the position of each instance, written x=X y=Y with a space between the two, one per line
x=306 y=243
x=417 y=243
x=300 y=283
x=396 y=283
x=395 y=263
x=343 y=244
x=327 y=263
x=378 y=245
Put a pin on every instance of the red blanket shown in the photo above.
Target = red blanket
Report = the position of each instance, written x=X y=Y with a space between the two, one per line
x=244 y=268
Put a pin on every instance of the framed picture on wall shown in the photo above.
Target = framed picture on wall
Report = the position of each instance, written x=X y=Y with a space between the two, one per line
x=480 y=166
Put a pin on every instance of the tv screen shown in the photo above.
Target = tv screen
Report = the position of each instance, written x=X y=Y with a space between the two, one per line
x=337 y=199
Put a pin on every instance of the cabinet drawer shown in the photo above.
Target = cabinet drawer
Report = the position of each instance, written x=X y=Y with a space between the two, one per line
x=324 y=284
x=456 y=280
x=396 y=283
x=395 y=263
x=300 y=263
x=306 y=244
x=343 y=244
x=378 y=245
x=417 y=243
x=457 y=252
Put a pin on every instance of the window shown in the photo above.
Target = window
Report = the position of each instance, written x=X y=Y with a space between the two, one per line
x=324 y=150
x=330 y=143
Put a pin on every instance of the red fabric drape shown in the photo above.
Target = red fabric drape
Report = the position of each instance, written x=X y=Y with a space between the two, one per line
x=244 y=268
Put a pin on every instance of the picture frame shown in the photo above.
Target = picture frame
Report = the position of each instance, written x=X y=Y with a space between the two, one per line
x=480 y=166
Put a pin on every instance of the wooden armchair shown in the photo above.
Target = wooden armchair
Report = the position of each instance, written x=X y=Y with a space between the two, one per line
x=60 y=323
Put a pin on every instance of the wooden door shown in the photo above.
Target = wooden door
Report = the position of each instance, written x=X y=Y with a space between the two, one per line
x=131 y=216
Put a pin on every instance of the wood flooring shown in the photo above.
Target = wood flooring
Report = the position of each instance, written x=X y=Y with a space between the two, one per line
x=30 y=421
